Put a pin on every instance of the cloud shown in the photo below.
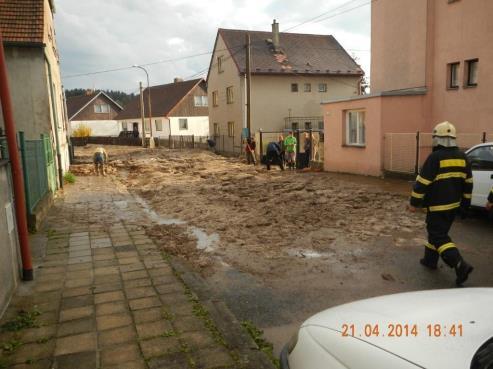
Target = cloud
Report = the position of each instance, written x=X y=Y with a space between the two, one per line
x=95 y=35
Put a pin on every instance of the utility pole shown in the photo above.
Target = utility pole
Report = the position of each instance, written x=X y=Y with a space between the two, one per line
x=151 y=140
x=142 y=115
x=248 y=81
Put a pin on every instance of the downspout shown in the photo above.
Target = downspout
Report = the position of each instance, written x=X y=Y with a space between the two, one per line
x=67 y=125
x=17 y=176
x=55 y=118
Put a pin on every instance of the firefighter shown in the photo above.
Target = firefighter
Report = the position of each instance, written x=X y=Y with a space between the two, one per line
x=444 y=188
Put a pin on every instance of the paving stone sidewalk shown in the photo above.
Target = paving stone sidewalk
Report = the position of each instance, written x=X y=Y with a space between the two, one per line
x=105 y=297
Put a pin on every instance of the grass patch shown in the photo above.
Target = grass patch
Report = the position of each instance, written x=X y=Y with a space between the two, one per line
x=69 y=177
x=263 y=345
x=23 y=320
x=9 y=347
x=169 y=333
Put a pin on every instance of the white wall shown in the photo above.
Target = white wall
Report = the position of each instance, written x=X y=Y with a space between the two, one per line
x=163 y=133
x=198 y=126
x=100 y=128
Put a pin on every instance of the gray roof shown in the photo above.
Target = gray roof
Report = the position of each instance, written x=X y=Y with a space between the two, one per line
x=300 y=53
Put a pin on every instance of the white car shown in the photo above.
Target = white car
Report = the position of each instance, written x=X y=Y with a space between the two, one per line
x=481 y=159
x=438 y=329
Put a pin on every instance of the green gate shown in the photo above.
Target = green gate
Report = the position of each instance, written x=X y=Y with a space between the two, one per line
x=50 y=163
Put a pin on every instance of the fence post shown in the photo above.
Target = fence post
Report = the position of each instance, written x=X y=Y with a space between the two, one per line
x=261 y=145
x=22 y=144
x=484 y=137
x=416 y=164
x=223 y=142
x=311 y=146
x=297 y=149
x=169 y=142
x=193 y=141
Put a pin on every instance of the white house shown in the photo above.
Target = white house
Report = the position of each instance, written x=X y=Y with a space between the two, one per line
x=178 y=109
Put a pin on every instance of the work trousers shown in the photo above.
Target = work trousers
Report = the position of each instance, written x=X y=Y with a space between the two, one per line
x=438 y=225
x=273 y=157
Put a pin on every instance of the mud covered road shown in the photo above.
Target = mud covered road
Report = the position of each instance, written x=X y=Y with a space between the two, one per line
x=280 y=246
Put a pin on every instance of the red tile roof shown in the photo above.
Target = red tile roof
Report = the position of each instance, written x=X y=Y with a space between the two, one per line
x=163 y=98
x=300 y=53
x=22 y=20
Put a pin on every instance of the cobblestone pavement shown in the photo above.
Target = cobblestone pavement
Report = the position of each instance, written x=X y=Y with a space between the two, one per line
x=105 y=297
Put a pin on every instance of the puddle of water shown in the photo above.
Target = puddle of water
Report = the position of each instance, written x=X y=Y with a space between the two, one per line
x=309 y=254
x=205 y=242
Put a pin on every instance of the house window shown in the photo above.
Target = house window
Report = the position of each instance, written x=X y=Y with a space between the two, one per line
x=214 y=99
x=231 y=129
x=322 y=87
x=308 y=125
x=472 y=73
x=220 y=64
x=229 y=95
x=453 y=75
x=294 y=87
x=201 y=101
x=101 y=108
x=294 y=125
x=308 y=87
x=216 y=129
x=183 y=123
x=355 y=128
x=124 y=126
x=147 y=126
x=321 y=124
x=159 y=124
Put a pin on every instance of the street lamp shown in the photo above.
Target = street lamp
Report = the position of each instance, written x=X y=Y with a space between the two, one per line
x=148 y=99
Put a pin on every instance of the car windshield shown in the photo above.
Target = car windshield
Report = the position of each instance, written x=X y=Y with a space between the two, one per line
x=481 y=158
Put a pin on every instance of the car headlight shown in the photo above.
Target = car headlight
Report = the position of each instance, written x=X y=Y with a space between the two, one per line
x=292 y=342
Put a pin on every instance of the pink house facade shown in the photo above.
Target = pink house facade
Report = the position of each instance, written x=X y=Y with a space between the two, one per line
x=431 y=61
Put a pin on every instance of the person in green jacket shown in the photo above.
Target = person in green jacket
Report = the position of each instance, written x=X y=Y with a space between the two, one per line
x=290 y=147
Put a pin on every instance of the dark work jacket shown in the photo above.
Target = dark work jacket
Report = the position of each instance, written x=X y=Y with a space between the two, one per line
x=274 y=147
x=445 y=181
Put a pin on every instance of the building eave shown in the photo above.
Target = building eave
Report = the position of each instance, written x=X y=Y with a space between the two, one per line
x=418 y=91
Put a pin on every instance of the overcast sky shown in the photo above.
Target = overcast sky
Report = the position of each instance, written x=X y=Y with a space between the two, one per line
x=95 y=35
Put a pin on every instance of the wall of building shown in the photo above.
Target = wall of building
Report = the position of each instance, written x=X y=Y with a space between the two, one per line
x=102 y=128
x=130 y=122
x=88 y=113
x=187 y=108
x=346 y=159
x=9 y=260
x=225 y=113
x=463 y=30
x=198 y=126
x=398 y=44
x=273 y=101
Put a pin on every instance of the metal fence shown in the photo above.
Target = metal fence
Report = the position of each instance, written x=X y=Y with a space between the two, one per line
x=38 y=168
x=183 y=142
x=317 y=154
x=123 y=141
x=405 y=153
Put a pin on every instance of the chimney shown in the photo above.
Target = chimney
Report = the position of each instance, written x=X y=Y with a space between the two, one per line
x=275 y=36
x=178 y=79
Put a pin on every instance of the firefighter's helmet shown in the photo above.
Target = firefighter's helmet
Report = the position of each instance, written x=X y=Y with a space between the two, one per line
x=444 y=129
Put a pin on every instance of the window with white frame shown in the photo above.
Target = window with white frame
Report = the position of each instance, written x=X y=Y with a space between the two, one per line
x=308 y=87
x=231 y=129
x=101 y=108
x=294 y=87
x=201 y=101
x=321 y=124
x=355 y=128
x=216 y=129
x=214 y=99
x=183 y=123
x=229 y=95
x=159 y=124
x=453 y=75
x=322 y=87
x=124 y=126
x=220 y=64
x=472 y=72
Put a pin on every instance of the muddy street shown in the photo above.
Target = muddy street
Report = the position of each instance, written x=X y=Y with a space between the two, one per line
x=280 y=246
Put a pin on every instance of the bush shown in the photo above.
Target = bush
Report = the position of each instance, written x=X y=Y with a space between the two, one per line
x=82 y=131
x=69 y=177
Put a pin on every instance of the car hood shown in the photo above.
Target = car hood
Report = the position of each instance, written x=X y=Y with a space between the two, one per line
x=471 y=307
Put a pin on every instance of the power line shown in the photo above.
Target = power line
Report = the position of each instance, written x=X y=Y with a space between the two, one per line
x=320 y=15
x=345 y=11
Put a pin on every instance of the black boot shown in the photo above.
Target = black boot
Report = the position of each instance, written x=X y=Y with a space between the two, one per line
x=462 y=270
